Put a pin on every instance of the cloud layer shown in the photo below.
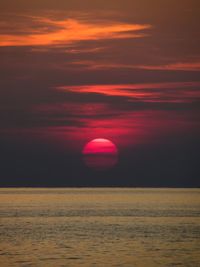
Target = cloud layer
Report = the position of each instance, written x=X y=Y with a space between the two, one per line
x=82 y=74
x=43 y=31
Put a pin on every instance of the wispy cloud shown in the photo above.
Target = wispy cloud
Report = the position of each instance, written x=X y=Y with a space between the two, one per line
x=177 y=66
x=175 y=92
x=47 y=31
x=99 y=65
x=102 y=64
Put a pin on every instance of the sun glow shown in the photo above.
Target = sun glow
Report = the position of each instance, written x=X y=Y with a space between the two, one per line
x=100 y=154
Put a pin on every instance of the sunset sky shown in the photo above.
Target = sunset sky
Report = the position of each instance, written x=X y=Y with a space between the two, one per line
x=125 y=70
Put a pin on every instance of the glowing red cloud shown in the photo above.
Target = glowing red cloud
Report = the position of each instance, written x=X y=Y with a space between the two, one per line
x=100 y=146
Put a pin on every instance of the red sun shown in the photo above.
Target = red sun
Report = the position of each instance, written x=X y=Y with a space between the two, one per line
x=100 y=154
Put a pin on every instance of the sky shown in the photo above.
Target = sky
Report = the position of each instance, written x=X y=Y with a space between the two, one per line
x=72 y=71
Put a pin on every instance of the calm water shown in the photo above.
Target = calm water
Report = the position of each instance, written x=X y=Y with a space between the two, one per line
x=100 y=227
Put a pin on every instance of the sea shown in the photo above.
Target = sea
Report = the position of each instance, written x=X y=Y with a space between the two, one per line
x=75 y=227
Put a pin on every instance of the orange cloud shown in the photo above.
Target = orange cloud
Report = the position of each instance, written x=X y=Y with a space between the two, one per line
x=56 y=32
x=183 y=66
x=153 y=92
x=98 y=65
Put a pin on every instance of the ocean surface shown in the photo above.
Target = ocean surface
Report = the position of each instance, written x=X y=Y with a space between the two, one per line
x=99 y=227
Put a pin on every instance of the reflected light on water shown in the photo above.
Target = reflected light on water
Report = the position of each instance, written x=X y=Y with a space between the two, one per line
x=99 y=227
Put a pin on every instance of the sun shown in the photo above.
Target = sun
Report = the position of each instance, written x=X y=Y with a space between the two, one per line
x=100 y=154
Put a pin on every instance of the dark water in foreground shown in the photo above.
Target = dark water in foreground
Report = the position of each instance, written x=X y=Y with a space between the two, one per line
x=100 y=227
